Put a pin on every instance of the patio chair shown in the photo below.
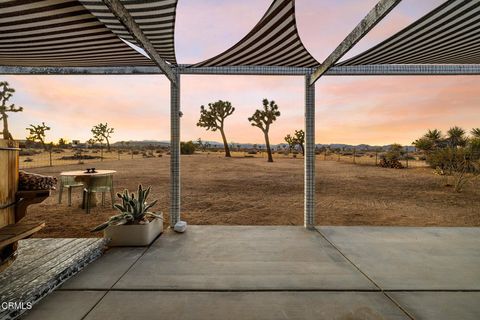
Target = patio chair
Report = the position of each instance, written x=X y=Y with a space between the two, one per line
x=98 y=184
x=69 y=183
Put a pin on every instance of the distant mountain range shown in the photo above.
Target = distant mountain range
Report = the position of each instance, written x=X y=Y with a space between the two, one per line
x=216 y=144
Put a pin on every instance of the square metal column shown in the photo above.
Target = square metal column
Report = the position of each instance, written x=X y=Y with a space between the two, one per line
x=175 y=151
x=309 y=204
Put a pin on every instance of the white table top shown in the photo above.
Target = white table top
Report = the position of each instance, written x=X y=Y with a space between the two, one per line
x=79 y=173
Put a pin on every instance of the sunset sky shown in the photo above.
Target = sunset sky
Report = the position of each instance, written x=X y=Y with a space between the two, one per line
x=353 y=110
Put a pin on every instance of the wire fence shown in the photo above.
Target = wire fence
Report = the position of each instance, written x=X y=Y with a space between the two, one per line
x=373 y=158
x=36 y=158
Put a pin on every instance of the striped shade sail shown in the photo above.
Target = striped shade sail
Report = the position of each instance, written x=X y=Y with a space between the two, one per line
x=274 y=41
x=156 y=19
x=59 y=33
x=450 y=34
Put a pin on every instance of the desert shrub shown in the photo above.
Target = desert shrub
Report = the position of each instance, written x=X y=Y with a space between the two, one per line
x=187 y=147
x=28 y=160
x=453 y=159
x=252 y=152
x=148 y=154
x=135 y=152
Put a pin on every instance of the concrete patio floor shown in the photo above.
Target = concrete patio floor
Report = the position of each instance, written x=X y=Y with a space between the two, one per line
x=278 y=272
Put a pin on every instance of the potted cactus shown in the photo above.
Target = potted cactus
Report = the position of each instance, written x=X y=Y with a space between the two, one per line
x=135 y=225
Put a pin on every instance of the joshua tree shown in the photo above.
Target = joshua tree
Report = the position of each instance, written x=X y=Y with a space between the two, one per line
x=263 y=119
x=102 y=132
x=297 y=139
x=62 y=142
x=213 y=119
x=37 y=133
x=456 y=137
x=202 y=145
x=6 y=93
x=91 y=142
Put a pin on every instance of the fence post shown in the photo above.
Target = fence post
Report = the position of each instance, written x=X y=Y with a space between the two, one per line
x=376 y=157
x=131 y=151
x=354 y=154
x=325 y=155
x=407 y=157
x=118 y=154
x=101 y=153
x=50 y=157
x=338 y=156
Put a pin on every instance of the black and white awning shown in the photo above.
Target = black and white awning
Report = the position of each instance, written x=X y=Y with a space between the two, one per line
x=450 y=34
x=274 y=41
x=59 y=33
x=67 y=33
x=156 y=19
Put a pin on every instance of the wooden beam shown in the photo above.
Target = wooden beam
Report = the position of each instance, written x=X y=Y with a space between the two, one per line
x=381 y=9
x=122 y=14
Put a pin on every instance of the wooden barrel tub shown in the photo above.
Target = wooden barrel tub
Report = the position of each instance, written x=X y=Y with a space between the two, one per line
x=9 y=154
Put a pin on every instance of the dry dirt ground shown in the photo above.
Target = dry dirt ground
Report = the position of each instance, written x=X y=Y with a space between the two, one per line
x=250 y=191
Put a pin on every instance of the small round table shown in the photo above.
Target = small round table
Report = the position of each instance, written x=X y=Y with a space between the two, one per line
x=91 y=183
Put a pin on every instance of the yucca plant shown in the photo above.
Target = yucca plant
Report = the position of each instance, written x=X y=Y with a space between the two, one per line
x=133 y=210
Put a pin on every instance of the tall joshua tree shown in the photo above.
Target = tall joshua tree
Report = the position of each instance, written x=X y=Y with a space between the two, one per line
x=263 y=118
x=38 y=133
x=6 y=93
x=214 y=117
x=102 y=132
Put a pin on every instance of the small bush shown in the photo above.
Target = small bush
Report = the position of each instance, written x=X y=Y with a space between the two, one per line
x=445 y=159
x=252 y=152
x=187 y=147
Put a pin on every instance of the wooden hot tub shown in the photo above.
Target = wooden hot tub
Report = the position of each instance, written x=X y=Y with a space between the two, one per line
x=13 y=204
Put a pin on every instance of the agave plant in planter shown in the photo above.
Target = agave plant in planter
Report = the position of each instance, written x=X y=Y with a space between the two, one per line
x=135 y=225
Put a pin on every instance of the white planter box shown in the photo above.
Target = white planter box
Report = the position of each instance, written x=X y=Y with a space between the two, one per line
x=134 y=234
